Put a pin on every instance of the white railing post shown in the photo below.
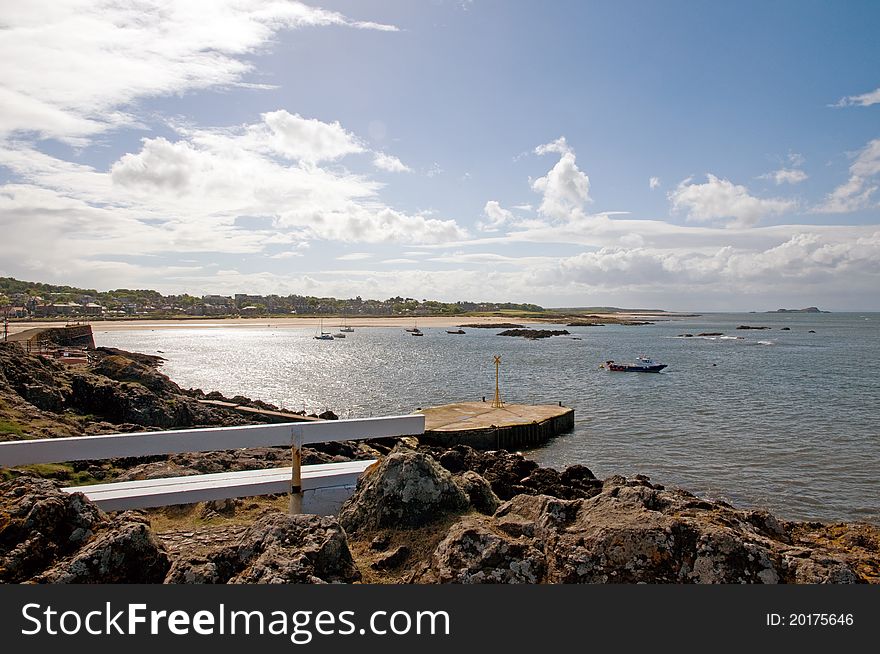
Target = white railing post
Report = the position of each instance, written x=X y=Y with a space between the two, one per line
x=296 y=491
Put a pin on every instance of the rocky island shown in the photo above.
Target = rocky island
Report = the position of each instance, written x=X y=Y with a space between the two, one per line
x=424 y=514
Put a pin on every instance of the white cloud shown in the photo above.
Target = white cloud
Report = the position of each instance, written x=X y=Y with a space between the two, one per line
x=720 y=199
x=858 y=191
x=399 y=261
x=71 y=69
x=496 y=217
x=653 y=183
x=354 y=256
x=390 y=163
x=523 y=207
x=786 y=176
x=288 y=254
x=303 y=139
x=559 y=146
x=565 y=188
x=863 y=100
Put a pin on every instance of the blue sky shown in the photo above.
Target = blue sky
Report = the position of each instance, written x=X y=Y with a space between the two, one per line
x=683 y=155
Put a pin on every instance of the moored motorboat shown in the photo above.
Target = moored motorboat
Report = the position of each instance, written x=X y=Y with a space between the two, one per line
x=457 y=331
x=642 y=364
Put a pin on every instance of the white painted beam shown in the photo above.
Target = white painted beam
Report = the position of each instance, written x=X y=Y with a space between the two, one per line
x=118 y=496
x=87 y=448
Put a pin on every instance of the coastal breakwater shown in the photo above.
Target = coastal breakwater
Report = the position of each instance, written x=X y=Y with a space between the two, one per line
x=41 y=338
x=484 y=427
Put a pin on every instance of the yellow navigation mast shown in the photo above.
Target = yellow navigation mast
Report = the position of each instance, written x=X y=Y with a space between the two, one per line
x=497 y=403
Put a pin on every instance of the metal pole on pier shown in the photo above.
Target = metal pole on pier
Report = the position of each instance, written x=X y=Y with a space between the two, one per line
x=497 y=403
x=296 y=491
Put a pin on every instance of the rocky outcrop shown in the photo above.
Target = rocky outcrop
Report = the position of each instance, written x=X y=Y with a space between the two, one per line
x=276 y=549
x=47 y=535
x=127 y=552
x=631 y=532
x=510 y=474
x=406 y=489
x=533 y=334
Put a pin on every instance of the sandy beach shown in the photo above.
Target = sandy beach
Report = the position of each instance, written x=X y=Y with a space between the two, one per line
x=329 y=323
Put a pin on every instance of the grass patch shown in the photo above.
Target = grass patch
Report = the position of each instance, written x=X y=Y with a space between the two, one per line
x=11 y=427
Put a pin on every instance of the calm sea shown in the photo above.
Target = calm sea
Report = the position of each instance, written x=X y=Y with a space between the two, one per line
x=786 y=420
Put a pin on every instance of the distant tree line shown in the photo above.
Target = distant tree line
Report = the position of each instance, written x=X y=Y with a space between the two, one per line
x=43 y=300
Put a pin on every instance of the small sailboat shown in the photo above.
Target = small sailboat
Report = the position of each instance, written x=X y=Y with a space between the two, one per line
x=345 y=326
x=323 y=336
x=414 y=329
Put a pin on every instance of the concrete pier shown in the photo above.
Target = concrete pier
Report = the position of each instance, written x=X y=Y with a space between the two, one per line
x=483 y=427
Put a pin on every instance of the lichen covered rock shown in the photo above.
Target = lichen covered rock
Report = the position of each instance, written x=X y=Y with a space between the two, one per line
x=407 y=489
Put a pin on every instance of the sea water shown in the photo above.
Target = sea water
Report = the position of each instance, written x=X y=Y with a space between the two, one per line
x=786 y=420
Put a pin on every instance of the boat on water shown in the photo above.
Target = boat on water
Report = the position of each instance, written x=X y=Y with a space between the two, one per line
x=457 y=331
x=415 y=332
x=323 y=336
x=339 y=335
x=642 y=364
x=345 y=326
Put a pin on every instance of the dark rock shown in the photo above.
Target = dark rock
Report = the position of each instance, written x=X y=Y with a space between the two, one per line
x=127 y=553
x=629 y=533
x=50 y=536
x=380 y=542
x=328 y=415
x=710 y=334
x=452 y=460
x=40 y=524
x=406 y=489
x=276 y=549
x=749 y=327
x=472 y=553
x=393 y=559
x=480 y=493
x=534 y=333
x=785 y=329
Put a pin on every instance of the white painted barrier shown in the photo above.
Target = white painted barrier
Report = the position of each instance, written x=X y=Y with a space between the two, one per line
x=329 y=481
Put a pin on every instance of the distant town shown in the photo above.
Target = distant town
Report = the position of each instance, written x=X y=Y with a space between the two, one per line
x=21 y=300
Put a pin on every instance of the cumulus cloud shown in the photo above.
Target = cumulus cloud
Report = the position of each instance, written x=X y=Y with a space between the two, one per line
x=303 y=139
x=390 y=163
x=863 y=100
x=720 y=199
x=496 y=217
x=858 y=192
x=565 y=188
x=52 y=52
x=653 y=183
x=786 y=176
x=559 y=146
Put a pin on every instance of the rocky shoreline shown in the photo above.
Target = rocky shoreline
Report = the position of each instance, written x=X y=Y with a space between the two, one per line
x=423 y=515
